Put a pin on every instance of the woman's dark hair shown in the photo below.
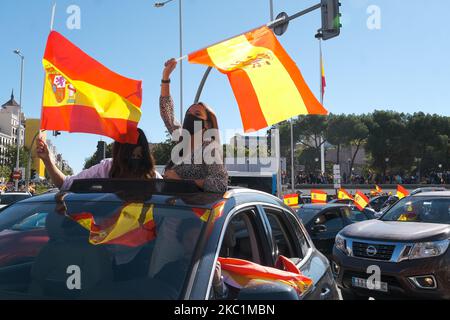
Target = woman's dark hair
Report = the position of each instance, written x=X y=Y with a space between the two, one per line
x=122 y=167
x=211 y=120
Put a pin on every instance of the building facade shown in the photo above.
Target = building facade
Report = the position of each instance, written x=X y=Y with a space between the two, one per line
x=9 y=127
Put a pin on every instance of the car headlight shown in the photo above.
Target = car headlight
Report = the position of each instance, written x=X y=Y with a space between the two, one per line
x=341 y=244
x=429 y=249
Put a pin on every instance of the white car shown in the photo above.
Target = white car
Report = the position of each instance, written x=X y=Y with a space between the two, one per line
x=11 y=197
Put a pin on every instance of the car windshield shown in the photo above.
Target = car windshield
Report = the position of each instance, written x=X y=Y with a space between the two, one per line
x=307 y=214
x=88 y=250
x=420 y=209
x=11 y=198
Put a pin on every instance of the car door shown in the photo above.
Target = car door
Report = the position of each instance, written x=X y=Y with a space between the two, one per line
x=324 y=228
x=290 y=240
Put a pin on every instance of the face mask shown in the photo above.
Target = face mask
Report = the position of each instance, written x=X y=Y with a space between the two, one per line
x=135 y=164
x=189 y=123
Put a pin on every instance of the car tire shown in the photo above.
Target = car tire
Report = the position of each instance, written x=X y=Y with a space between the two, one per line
x=350 y=295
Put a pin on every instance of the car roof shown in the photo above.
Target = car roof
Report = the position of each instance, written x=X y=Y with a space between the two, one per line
x=234 y=197
x=433 y=194
x=321 y=206
x=16 y=193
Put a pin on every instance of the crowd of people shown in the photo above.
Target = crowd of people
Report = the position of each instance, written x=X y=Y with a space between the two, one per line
x=302 y=178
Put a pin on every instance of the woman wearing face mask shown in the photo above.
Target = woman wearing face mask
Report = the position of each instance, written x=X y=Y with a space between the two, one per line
x=129 y=161
x=210 y=175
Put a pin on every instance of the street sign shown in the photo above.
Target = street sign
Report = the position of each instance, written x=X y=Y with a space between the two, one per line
x=17 y=175
x=337 y=176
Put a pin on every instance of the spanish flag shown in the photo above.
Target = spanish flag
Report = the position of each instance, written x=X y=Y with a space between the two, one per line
x=237 y=273
x=344 y=195
x=204 y=213
x=378 y=189
x=361 y=201
x=402 y=192
x=266 y=82
x=322 y=72
x=133 y=226
x=291 y=199
x=82 y=95
x=318 y=196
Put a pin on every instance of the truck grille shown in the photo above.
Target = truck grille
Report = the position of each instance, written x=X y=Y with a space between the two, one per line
x=373 y=251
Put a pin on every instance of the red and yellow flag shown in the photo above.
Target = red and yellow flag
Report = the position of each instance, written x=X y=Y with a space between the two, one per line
x=82 y=95
x=291 y=199
x=318 y=196
x=266 y=82
x=322 y=71
x=361 y=201
x=132 y=226
x=204 y=213
x=238 y=273
x=402 y=192
x=344 y=195
x=378 y=189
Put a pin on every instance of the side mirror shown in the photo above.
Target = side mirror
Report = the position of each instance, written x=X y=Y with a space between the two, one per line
x=320 y=228
x=267 y=290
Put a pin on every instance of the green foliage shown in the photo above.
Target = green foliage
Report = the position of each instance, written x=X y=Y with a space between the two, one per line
x=97 y=157
x=402 y=138
x=11 y=155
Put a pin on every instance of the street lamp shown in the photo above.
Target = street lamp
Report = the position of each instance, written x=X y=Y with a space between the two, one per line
x=160 y=5
x=22 y=59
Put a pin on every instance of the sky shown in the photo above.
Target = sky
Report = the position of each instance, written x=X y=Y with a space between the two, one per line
x=402 y=64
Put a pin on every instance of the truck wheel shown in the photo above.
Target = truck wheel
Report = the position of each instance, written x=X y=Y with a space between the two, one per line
x=350 y=295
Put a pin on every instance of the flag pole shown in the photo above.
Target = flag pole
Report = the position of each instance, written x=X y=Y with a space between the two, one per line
x=53 y=16
x=322 y=144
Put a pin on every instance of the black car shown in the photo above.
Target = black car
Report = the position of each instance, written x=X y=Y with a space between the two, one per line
x=403 y=254
x=378 y=202
x=154 y=240
x=324 y=221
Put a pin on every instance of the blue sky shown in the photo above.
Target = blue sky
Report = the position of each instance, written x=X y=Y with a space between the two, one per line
x=403 y=66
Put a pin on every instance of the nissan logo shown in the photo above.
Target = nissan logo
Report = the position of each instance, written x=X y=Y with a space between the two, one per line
x=371 y=251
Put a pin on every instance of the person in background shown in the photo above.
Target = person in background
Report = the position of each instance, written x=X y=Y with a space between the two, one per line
x=210 y=177
x=129 y=161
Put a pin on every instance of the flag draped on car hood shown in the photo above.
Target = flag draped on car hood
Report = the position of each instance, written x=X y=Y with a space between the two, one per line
x=268 y=85
x=82 y=95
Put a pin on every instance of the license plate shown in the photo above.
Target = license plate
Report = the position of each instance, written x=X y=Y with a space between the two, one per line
x=362 y=283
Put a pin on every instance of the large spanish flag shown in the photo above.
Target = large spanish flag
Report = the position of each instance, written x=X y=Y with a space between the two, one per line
x=318 y=196
x=132 y=226
x=82 y=95
x=361 y=201
x=266 y=82
x=402 y=192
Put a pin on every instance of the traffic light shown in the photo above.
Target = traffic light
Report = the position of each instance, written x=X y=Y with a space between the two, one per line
x=101 y=148
x=56 y=133
x=331 y=19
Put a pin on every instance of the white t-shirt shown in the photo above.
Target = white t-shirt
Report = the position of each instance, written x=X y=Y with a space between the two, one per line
x=98 y=171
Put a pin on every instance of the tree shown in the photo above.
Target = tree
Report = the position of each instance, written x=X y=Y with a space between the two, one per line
x=11 y=155
x=97 y=157
x=162 y=151
x=337 y=133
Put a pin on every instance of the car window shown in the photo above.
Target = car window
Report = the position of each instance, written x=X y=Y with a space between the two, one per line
x=241 y=241
x=307 y=214
x=331 y=219
x=353 y=214
x=11 y=198
x=118 y=250
x=420 y=209
x=280 y=235
x=287 y=235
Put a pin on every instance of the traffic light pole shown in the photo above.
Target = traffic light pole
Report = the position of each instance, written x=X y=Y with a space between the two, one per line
x=29 y=162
